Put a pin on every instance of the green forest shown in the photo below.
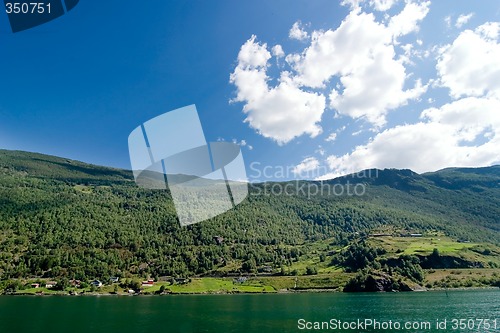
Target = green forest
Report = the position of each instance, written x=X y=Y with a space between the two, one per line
x=62 y=219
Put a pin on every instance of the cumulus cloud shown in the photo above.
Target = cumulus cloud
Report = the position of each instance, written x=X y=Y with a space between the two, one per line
x=489 y=30
x=469 y=117
x=470 y=66
x=375 y=89
x=278 y=51
x=359 y=55
x=463 y=19
x=382 y=5
x=361 y=66
x=308 y=165
x=340 y=51
x=253 y=55
x=407 y=21
x=463 y=132
x=282 y=112
x=297 y=32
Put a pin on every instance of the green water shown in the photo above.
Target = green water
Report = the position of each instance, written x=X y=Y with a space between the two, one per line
x=244 y=313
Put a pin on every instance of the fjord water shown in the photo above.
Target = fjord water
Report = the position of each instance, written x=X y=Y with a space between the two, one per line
x=241 y=313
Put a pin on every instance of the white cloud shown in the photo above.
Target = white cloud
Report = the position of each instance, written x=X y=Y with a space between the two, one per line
x=278 y=51
x=373 y=90
x=339 y=51
x=469 y=117
x=308 y=165
x=282 y=112
x=489 y=30
x=331 y=137
x=360 y=54
x=296 y=32
x=372 y=78
x=464 y=132
x=407 y=21
x=470 y=66
x=382 y=5
x=253 y=55
x=463 y=19
x=445 y=137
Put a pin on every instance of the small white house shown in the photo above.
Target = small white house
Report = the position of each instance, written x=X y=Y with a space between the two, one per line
x=50 y=284
x=96 y=283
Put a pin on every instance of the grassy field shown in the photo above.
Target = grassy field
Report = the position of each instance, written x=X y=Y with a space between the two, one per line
x=460 y=278
x=320 y=281
x=219 y=285
x=433 y=275
x=478 y=252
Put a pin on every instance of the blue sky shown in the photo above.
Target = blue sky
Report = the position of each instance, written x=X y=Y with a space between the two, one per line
x=316 y=87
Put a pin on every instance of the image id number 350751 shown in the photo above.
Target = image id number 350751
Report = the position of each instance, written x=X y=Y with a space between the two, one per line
x=27 y=8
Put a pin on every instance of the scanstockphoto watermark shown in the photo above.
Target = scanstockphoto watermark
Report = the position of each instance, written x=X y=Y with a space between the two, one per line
x=307 y=189
x=368 y=324
x=288 y=180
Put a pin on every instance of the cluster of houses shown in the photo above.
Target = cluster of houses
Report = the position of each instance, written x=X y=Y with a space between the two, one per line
x=48 y=285
x=73 y=283
x=148 y=283
x=96 y=283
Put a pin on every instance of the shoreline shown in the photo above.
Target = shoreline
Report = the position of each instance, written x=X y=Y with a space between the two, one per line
x=300 y=291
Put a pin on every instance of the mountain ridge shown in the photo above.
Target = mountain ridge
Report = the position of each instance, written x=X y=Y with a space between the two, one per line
x=493 y=169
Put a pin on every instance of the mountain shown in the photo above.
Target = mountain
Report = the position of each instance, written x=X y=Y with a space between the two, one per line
x=64 y=218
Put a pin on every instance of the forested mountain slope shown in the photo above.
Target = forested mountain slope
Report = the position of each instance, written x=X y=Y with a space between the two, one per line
x=60 y=217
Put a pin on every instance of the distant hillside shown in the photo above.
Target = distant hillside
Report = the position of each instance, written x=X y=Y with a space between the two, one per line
x=64 y=218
